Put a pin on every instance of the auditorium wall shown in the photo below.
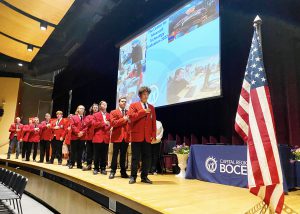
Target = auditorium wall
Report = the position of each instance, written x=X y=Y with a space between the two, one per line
x=92 y=72
x=9 y=95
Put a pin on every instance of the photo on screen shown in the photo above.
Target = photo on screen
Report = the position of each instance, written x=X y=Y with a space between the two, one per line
x=178 y=57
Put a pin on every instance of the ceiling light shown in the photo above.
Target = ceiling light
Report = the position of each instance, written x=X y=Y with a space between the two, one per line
x=20 y=64
x=43 y=26
x=30 y=48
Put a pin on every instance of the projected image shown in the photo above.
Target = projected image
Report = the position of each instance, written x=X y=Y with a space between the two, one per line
x=190 y=17
x=178 y=57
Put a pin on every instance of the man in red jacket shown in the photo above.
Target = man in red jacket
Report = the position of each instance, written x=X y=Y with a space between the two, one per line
x=119 y=137
x=58 y=128
x=78 y=129
x=15 y=137
x=89 y=136
x=46 y=137
x=34 y=138
x=143 y=131
x=101 y=124
x=24 y=138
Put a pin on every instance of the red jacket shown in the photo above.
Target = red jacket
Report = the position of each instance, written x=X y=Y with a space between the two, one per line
x=47 y=132
x=68 y=133
x=88 y=120
x=101 y=130
x=35 y=136
x=120 y=126
x=77 y=125
x=58 y=133
x=25 y=133
x=13 y=131
x=142 y=124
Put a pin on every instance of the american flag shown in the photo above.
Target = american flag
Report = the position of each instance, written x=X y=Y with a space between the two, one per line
x=255 y=124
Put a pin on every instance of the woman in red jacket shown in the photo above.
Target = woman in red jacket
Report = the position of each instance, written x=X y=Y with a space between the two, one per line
x=89 y=136
x=34 y=138
x=101 y=125
x=24 y=139
x=77 y=137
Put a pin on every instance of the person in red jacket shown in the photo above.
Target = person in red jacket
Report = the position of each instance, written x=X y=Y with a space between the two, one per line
x=101 y=125
x=46 y=137
x=77 y=137
x=89 y=136
x=24 y=138
x=68 y=138
x=58 y=127
x=34 y=138
x=119 y=137
x=143 y=131
x=15 y=137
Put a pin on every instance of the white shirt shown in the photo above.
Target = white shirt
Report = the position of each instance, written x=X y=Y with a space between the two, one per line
x=159 y=132
x=104 y=116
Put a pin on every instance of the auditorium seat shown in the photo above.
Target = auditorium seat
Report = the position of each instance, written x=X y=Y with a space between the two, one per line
x=237 y=140
x=169 y=159
x=204 y=140
x=170 y=137
x=224 y=140
x=194 y=139
x=178 y=140
x=187 y=141
x=213 y=140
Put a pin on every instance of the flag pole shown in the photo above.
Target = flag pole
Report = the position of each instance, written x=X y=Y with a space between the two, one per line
x=257 y=25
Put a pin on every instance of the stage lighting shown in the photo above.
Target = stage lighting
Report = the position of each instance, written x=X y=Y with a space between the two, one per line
x=30 y=48
x=20 y=64
x=43 y=26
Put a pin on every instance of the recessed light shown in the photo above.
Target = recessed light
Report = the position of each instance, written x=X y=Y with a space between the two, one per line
x=20 y=64
x=43 y=26
x=30 y=48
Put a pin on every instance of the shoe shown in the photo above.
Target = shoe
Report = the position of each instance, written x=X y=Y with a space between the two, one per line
x=103 y=172
x=124 y=175
x=111 y=175
x=150 y=173
x=87 y=168
x=95 y=172
x=79 y=167
x=132 y=180
x=146 y=180
x=70 y=166
x=8 y=157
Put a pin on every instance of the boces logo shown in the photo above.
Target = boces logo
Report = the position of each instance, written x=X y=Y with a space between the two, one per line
x=211 y=164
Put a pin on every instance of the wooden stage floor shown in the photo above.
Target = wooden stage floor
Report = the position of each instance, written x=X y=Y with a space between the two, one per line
x=169 y=194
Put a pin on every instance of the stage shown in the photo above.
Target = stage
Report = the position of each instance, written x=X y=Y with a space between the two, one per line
x=167 y=194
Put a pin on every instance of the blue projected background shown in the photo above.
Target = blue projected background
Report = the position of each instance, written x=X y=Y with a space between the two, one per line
x=178 y=57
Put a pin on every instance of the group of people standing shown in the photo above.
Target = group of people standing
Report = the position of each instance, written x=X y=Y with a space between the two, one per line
x=137 y=126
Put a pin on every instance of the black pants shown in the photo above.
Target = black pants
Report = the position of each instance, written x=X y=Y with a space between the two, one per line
x=76 y=150
x=44 y=149
x=122 y=147
x=35 y=147
x=24 y=149
x=140 y=149
x=89 y=152
x=69 y=156
x=154 y=156
x=56 y=146
x=28 y=150
x=12 y=143
x=100 y=155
